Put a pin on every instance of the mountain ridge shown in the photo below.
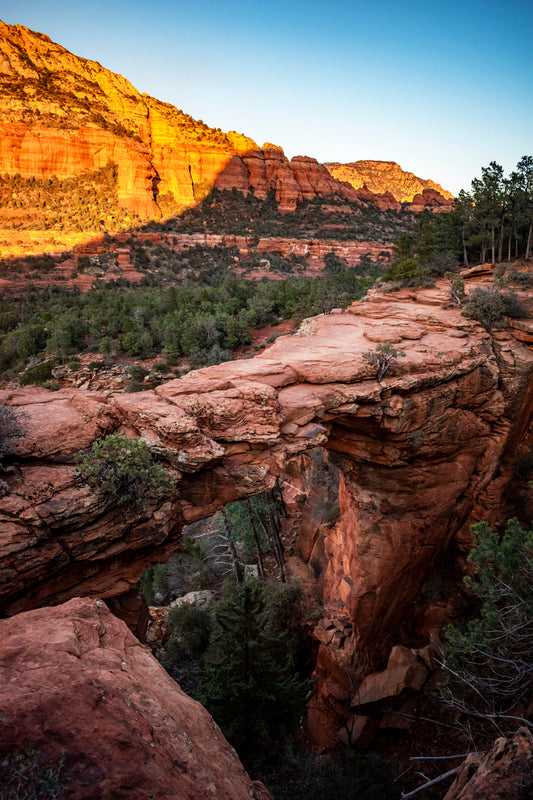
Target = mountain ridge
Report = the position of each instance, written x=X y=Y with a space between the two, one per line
x=384 y=176
x=65 y=115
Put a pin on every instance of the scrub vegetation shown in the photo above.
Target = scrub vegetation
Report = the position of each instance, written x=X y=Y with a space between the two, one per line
x=202 y=320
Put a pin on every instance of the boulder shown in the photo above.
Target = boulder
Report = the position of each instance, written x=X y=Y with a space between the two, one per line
x=405 y=671
x=79 y=693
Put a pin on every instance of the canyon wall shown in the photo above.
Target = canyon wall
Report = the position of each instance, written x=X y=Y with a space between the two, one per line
x=419 y=456
x=64 y=115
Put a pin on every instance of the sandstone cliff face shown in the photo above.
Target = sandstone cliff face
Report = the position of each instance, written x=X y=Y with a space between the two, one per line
x=63 y=115
x=385 y=176
x=417 y=455
x=78 y=687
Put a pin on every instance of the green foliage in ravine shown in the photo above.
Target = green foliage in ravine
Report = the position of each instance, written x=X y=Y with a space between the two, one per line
x=489 y=660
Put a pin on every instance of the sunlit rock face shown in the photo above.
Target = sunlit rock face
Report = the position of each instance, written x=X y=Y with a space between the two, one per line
x=105 y=718
x=417 y=455
x=387 y=176
x=66 y=116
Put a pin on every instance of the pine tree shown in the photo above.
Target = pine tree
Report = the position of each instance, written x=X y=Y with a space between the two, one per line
x=489 y=662
x=250 y=683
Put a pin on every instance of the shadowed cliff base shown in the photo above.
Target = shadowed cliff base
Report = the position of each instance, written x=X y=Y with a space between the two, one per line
x=83 y=215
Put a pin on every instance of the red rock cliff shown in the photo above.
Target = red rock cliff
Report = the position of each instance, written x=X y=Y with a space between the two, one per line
x=438 y=421
x=65 y=115
x=386 y=176
x=418 y=454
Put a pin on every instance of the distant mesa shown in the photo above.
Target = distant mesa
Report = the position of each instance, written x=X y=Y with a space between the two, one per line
x=386 y=176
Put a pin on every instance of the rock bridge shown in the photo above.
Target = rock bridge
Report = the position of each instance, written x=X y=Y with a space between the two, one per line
x=421 y=454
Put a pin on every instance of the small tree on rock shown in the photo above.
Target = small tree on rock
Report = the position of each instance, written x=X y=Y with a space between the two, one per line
x=10 y=428
x=123 y=470
x=382 y=357
x=457 y=287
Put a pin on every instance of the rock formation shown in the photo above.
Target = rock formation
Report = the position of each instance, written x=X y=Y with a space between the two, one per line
x=64 y=115
x=418 y=456
x=387 y=176
x=431 y=199
x=67 y=116
x=504 y=773
x=81 y=697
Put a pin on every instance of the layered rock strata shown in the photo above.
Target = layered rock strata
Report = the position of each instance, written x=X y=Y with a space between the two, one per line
x=83 y=700
x=387 y=176
x=418 y=455
x=64 y=115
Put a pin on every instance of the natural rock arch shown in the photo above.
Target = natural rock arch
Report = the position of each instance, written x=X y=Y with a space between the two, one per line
x=418 y=454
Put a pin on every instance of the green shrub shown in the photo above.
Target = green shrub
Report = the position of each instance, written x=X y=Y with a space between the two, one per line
x=11 y=427
x=490 y=307
x=190 y=631
x=124 y=471
x=31 y=775
x=38 y=374
x=489 y=661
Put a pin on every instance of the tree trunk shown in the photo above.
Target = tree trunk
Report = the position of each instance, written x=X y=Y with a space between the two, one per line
x=500 y=243
x=493 y=245
x=272 y=534
x=529 y=240
x=465 y=253
x=237 y=566
x=257 y=539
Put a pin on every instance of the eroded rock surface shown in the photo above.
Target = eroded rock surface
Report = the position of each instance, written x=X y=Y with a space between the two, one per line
x=66 y=116
x=387 y=176
x=504 y=773
x=418 y=456
x=77 y=686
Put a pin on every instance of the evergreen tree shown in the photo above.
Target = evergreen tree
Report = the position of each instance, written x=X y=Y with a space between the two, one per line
x=250 y=684
x=489 y=661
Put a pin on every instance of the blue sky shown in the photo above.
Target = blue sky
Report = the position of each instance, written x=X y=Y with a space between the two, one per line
x=443 y=89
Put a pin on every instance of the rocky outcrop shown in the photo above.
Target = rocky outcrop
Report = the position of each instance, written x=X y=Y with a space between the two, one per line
x=85 y=700
x=417 y=456
x=312 y=249
x=67 y=116
x=504 y=773
x=432 y=200
x=386 y=176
